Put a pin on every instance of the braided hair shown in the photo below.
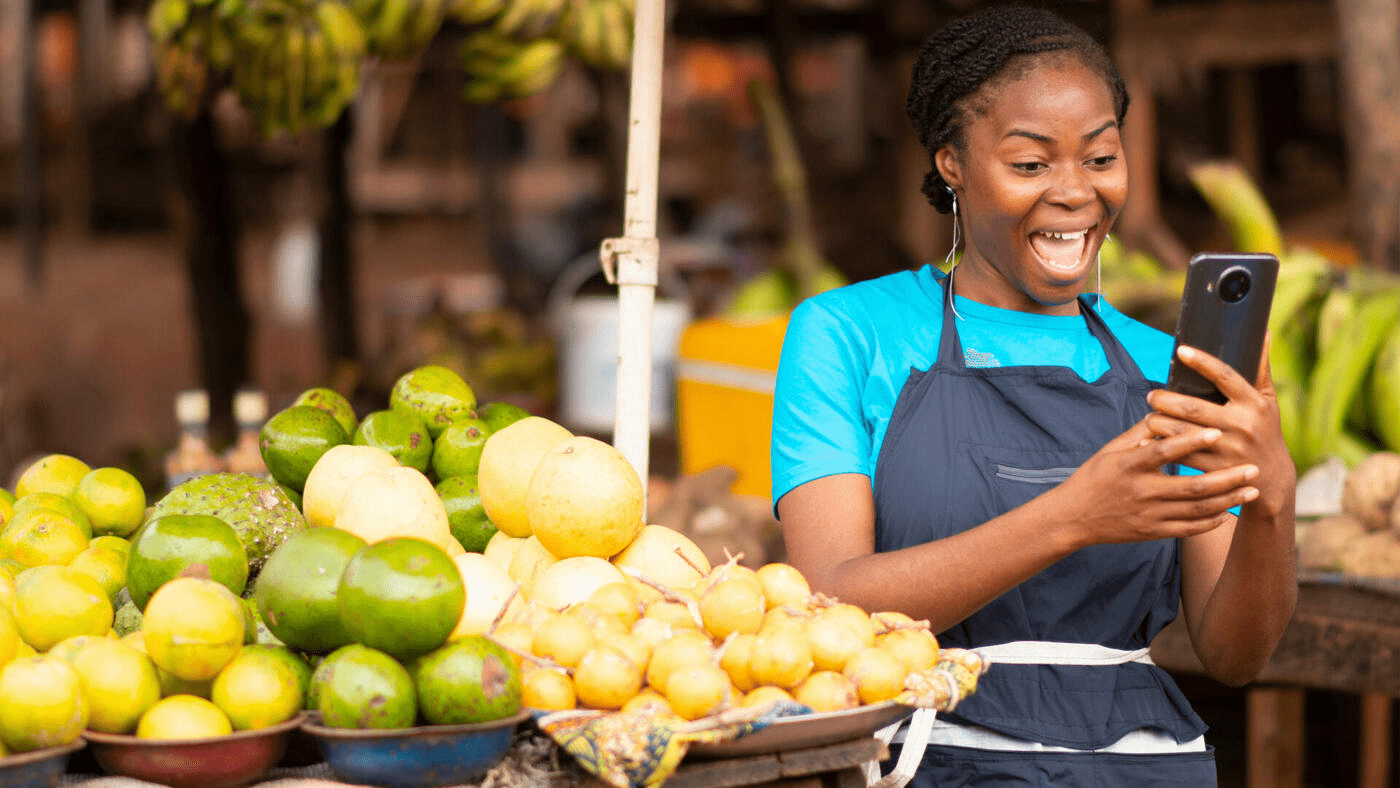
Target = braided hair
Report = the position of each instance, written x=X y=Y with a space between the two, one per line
x=1001 y=42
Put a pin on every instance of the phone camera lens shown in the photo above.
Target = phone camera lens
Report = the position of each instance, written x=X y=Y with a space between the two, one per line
x=1234 y=285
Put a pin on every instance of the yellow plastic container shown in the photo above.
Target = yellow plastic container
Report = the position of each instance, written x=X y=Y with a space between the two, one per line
x=724 y=397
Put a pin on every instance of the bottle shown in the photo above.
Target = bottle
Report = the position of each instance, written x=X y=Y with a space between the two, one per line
x=244 y=456
x=192 y=456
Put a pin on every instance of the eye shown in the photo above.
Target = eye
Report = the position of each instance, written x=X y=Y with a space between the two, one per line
x=1028 y=166
x=1103 y=162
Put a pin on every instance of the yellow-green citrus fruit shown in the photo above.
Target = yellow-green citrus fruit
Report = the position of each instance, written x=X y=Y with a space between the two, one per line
x=112 y=499
x=399 y=432
x=194 y=628
x=104 y=566
x=500 y=414
x=294 y=439
x=333 y=403
x=183 y=717
x=435 y=394
x=64 y=506
x=120 y=684
x=360 y=687
x=55 y=473
x=257 y=690
x=465 y=514
x=402 y=596
x=457 y=449
x=468 y=680
x=41 y=704
x=192 y=544
x=299 y=667
x=43 y=537
x=9 y=635
x=54 y=603
x=296 y=591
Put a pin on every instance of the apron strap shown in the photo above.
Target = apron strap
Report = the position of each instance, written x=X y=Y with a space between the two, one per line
x=1020 y=652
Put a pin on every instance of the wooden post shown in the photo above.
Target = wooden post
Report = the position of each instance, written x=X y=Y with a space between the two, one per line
x=1368 y=54
x=211 y=259
x=1274 y=737
x=29 y=179
x=1376 y=727
x=336 y=278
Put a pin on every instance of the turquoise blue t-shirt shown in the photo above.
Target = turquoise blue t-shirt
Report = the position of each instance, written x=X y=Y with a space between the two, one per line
x=848 y=352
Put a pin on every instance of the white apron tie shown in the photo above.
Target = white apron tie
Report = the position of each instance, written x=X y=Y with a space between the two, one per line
x=923 y=722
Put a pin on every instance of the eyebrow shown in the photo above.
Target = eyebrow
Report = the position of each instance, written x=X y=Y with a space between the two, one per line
x=1044 y=139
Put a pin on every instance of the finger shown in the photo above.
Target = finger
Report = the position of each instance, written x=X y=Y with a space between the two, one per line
x=1167 y=450
x=1264 y=380
x=1185 y=407
x=1225 y=378
x=1163 y=426
x=1211 y=484
x=1131 y=437
x=1180 y=529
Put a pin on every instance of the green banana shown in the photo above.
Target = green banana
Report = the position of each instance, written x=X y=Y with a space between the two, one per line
x=1238 y=203
x=1338 y=306
x=426 y=22
x=534 y=67
x=617 y=34
x=342 y=29
x=475 y=12
x=1385 y=392
x=528 y=19
x=388 y=31
x=165 y=18
x=295 y=79
x=1341 y=368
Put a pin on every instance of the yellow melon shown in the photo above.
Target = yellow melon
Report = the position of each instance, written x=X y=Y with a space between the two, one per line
x=585 y=498
x=508 y=461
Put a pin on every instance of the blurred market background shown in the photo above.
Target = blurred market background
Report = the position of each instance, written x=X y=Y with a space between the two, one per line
x=192 y=201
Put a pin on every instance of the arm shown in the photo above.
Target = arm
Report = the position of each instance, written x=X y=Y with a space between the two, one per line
x=1238 y=582
x=1118 y=495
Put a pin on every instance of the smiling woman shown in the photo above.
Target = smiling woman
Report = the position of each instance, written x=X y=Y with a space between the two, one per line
x=985 y=449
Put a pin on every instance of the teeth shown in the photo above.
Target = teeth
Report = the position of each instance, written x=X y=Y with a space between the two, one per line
x=1074 y=236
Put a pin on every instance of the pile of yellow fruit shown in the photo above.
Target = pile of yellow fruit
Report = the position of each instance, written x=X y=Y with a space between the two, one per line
x=605 y=612
x=63 y=670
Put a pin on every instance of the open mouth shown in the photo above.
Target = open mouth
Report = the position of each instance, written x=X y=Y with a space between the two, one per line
x=1063 y=251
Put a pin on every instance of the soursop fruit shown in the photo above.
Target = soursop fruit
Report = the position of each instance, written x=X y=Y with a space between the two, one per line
x=259 y=511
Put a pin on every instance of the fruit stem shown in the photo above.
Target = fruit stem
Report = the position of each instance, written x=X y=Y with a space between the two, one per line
x=668 y=595
x=688 y=562
x=501 y=614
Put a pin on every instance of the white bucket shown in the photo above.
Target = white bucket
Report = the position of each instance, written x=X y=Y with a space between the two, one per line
x=587 y=334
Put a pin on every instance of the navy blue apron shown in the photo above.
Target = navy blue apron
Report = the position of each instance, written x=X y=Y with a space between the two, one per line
x=965 y=445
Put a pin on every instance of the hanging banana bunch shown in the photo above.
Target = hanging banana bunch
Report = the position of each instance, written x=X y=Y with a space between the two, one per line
x=297 y=64
x=193 y=45
x=397 y=29
x=519 y=47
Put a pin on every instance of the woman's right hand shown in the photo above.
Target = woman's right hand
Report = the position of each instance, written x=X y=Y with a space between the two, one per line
x=1121 y=494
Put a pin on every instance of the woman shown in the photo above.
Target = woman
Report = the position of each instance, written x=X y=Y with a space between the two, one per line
x=986 y=450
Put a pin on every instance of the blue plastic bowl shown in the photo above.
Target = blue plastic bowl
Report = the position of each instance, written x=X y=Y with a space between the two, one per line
x=37 y=769
x=422 y=757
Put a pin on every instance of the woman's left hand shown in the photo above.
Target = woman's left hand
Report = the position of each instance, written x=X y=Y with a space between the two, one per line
x=1248 y=421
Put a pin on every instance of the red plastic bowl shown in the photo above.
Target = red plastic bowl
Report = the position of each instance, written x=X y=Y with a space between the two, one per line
x=218 y=762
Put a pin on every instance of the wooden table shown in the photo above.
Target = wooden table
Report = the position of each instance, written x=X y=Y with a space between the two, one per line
x=1344 y=636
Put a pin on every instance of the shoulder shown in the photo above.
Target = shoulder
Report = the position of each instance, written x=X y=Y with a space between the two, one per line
x=871 y=307
x=1151 y=348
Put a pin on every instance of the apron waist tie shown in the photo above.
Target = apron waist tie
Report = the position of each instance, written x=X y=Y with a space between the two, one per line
x=922 y=724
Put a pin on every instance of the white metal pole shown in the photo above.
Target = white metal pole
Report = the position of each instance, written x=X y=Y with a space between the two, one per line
x=636 y=254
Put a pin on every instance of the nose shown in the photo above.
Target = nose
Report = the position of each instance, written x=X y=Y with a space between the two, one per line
x=1072 y=187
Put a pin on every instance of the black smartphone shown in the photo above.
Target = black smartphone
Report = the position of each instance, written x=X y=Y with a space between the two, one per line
x=1224 y=312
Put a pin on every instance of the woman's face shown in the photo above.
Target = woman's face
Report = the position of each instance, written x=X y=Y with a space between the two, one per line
x=1039 y=182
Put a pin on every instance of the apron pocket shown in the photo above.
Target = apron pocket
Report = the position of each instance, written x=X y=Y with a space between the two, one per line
x=963 y=767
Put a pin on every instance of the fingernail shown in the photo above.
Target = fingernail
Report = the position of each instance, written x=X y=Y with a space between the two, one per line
x=1186 y=352
x=1250 y=472
x=1211 y=435
x=1250 y=494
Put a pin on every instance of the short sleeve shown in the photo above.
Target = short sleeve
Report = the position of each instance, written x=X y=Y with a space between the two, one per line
x=818 y=423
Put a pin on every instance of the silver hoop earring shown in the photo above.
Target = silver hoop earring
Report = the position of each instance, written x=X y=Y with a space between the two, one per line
x=949 y=261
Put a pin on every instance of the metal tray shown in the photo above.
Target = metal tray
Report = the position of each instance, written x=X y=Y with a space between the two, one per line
x=808 y=730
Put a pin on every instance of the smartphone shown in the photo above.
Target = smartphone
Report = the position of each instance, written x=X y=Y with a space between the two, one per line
x=1224 y=312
